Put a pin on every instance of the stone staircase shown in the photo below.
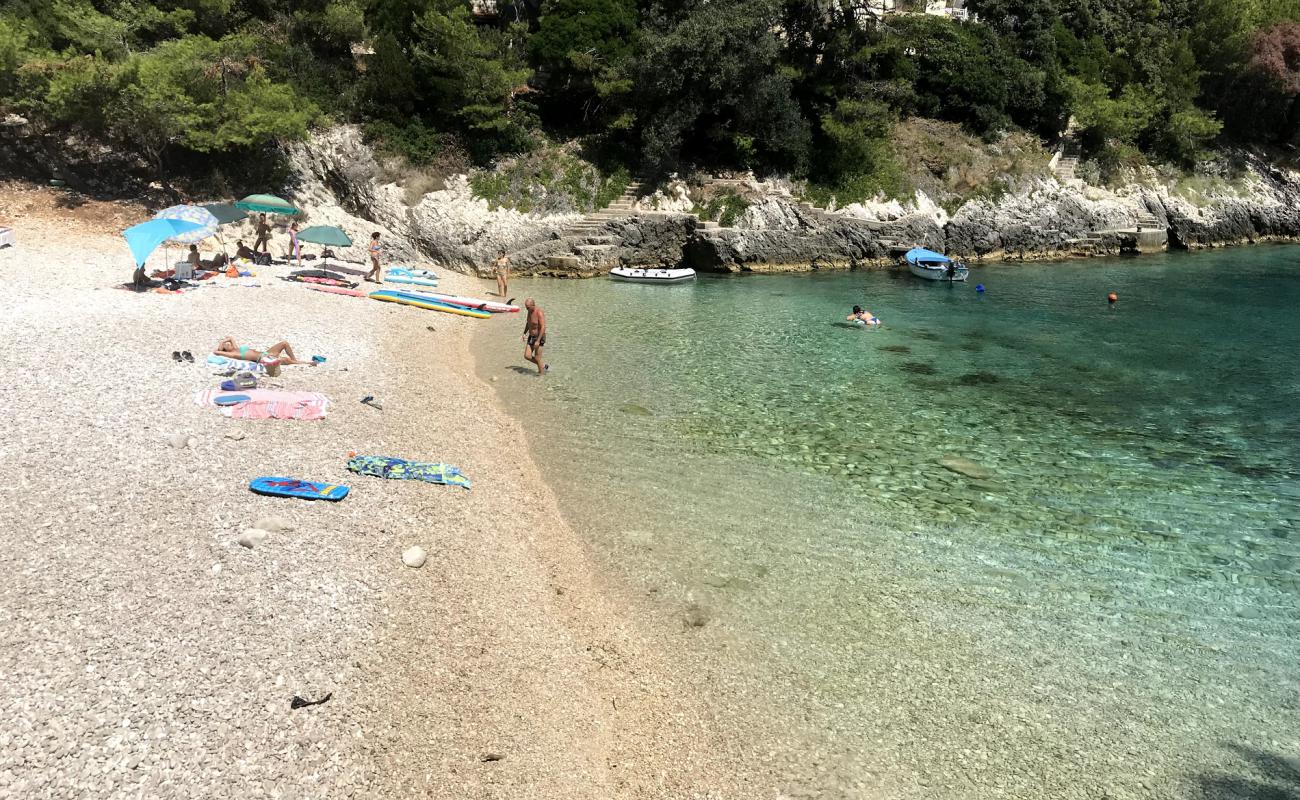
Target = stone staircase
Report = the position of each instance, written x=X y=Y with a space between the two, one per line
x=1065 y=169
x=1146 y=221
x=1066 y=163
x=585 y=239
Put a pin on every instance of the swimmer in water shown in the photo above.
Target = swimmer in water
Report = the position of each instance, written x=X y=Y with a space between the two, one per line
x=863 y=317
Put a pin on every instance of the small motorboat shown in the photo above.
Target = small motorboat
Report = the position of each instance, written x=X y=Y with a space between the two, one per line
x=934 y=266
x=652 y=274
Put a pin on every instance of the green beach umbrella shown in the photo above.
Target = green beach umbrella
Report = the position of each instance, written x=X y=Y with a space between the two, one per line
x=327 y=235
x=266 y=204
x=225 y=213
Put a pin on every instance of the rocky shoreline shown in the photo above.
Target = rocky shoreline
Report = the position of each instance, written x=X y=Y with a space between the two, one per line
x=1043 y=219
x=340 y=180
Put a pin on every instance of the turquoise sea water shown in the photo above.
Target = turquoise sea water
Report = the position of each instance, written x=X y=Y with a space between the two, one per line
x=1025 y=487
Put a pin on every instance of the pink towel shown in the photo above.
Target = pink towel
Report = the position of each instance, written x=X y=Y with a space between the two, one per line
x=269 y=404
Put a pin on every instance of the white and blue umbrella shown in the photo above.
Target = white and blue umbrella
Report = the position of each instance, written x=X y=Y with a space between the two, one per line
x=205 y=219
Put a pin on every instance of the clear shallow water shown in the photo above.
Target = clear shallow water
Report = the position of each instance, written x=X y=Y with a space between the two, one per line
x=1132 y=475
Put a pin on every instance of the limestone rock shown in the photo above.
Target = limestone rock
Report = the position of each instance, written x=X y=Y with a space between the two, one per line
x=414 y=557
x=251 y=537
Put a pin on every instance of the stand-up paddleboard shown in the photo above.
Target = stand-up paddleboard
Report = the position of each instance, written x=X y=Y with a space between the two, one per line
x=292 y=487
x=467 y=302
x=338 y=290
x=410 y=299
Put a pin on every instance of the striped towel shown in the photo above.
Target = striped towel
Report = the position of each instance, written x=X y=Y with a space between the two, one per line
x=229 y=366
x=269 y=404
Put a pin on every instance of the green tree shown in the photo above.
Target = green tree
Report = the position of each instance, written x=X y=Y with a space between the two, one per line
x=471 y=74
x=582 y=50
x=709 y=89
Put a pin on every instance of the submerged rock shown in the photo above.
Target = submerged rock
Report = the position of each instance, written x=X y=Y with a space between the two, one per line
x=964 y=466
x=980 y=378
x=696 y=616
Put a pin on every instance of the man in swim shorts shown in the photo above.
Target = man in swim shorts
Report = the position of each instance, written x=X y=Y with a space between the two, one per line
x=280 y=351
x=534 y=335
x=263 y=241
x=865 y=317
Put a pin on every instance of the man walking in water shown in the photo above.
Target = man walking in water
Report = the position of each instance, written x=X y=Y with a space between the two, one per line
x=534 y=335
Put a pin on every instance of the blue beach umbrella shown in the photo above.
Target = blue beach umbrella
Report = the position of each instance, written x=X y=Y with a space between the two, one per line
x=144 y=238
x=199 y=215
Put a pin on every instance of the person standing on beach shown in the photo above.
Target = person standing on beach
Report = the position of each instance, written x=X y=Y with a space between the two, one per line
x=502 y=268
x=375 y=249
x=535 y=335
x=295 y=250
x=263 y=241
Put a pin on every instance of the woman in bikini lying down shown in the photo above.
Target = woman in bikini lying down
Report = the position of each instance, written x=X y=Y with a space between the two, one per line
x=280 y=351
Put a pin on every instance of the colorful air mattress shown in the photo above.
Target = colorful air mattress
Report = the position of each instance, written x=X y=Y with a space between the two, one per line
x=338 y=290
x=401 y=469
x=321 y=281
x=423 y=301
x=292 y=487
x=415 y=277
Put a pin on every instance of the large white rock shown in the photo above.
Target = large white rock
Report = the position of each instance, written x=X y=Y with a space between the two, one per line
x=251 y=537
x=414 y=557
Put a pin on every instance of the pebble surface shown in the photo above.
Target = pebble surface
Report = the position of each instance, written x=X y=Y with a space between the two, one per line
x=148 y=653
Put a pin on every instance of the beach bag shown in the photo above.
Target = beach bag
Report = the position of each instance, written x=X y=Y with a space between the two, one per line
x=262 y=259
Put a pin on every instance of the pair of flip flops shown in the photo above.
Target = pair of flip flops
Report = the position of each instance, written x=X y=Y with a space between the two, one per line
x=182 y=356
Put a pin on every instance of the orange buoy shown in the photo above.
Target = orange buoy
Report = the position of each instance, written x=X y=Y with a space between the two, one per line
x=1112 y=298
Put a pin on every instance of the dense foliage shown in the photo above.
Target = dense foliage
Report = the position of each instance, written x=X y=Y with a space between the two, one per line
x=805 y=87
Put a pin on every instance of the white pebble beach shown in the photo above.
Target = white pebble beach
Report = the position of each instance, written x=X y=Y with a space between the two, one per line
x=147 y=652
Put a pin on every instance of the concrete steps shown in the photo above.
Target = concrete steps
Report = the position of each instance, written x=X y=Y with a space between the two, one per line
x=593 y=251
x=586 y=238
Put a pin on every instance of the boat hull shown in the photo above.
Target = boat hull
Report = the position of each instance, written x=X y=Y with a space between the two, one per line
x=938 y=273
x=639 y=275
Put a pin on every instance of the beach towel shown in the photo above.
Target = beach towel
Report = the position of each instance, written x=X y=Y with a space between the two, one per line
x=229 y=366
x=401 y=469
x=269 y=404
